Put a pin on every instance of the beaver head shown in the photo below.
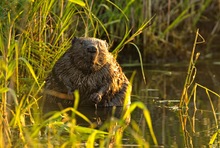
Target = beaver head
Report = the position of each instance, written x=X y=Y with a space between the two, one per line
x=89 y=54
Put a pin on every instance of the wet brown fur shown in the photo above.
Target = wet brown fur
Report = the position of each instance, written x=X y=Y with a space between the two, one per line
x=89 y=67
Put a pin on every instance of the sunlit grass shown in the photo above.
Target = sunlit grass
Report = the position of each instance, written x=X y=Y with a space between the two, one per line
x=190 y=94
x=34 y=34
x=32 y=37
x=191 y=72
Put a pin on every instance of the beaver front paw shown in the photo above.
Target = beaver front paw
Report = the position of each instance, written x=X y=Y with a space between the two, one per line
x=96 y=98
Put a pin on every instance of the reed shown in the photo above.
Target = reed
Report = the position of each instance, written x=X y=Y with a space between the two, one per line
x=33 y=35
x=191 y=72
x=190 y=93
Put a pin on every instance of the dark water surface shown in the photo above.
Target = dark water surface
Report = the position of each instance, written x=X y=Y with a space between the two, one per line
x=161 y=94
x=174 y=127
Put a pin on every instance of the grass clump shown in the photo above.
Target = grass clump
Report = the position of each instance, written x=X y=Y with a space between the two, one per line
x=33 y=35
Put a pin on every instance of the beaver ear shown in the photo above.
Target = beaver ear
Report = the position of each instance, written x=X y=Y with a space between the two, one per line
x=74 y=40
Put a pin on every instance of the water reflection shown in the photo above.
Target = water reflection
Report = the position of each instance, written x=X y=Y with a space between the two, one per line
x=192 y=127
x=96 y=116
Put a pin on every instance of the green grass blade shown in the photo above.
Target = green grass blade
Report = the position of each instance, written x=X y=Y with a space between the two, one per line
x=213 y=138
x=78 y=2
x=30 y=69
x=140 y=105
x=179 y=19
x=141 y=62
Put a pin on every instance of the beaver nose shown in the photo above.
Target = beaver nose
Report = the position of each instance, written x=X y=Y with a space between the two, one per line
x=92 y=49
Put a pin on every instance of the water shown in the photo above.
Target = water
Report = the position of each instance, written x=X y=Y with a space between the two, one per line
x=173 y=127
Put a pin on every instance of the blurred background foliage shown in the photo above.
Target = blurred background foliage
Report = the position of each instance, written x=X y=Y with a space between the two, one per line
x=169 y=37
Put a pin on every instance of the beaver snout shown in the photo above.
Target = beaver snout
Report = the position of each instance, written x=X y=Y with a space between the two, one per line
x=92 y=49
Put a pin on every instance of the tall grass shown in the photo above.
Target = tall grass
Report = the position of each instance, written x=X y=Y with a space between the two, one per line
x=190 y=93
x=191 y=72
x=33 y=35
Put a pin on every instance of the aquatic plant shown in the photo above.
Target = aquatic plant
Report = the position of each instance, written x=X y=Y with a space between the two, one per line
x=191 y=72
x=190 y=93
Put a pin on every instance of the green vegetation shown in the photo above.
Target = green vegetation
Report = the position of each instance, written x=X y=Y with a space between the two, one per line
x=35 y=33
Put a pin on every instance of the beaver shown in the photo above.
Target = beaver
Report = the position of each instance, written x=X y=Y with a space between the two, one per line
x=88 y=66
